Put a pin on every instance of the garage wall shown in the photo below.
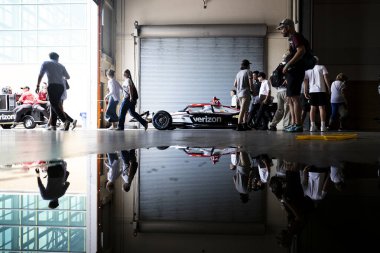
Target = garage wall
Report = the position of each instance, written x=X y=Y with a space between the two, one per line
x=168 y=12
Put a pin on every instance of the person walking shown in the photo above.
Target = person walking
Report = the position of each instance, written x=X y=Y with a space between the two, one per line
x=242 y=83
x=56 y=74
x=294 y=71
x=338 y=101
x=113 y=97
x=316 y=87
x=129 y=102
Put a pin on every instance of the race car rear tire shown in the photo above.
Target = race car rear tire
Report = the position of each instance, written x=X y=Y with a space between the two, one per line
x=29 y=122
x=162 y=120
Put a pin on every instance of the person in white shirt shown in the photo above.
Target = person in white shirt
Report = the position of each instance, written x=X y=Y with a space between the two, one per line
x=316 y=87
x=262 y=119
x=113 y=97
x=234 y=99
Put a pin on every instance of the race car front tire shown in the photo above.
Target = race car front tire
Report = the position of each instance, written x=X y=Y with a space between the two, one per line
x=162 y=120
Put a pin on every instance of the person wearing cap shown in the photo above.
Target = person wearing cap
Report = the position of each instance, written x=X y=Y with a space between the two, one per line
x=25 y=103
x=294 y=71
x=242 y=83
x=56 y=74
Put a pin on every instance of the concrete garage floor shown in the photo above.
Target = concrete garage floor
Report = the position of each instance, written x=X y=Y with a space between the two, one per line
x=39 y=144
x=206 y=211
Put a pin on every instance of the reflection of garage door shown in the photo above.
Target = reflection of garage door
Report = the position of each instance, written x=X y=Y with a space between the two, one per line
x=186 y=201
x=178 y=71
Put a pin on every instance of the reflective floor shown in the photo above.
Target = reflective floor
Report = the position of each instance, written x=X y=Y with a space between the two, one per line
x=229 y=195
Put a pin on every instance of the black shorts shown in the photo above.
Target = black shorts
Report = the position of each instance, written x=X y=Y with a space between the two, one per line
x=294 y=79
x=318 y=98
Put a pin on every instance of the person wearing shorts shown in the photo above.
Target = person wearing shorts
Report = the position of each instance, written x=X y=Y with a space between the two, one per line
x=316 y=87
x=294 y=71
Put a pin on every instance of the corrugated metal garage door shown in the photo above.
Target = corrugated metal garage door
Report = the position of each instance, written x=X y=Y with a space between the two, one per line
x=175 y=72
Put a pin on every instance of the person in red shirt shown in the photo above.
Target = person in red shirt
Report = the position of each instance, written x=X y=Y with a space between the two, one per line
x=41 y=103
x=25 y=102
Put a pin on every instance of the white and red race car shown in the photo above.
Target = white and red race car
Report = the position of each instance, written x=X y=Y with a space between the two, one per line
x=203 y=115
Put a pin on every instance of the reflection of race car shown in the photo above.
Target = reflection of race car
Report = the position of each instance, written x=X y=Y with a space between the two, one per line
x=212 y=152
x=207 y=115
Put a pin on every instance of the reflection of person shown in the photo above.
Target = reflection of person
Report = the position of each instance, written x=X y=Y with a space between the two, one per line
x=294 y=71
x=337 y=177
x=56 y=74
x=241 y=178
x=242 y=83
x=129 y=102
x=113 y=170
x=129 y=167
x=288 y=190
x=261 y=171
x=315 y=181
x=57 y=184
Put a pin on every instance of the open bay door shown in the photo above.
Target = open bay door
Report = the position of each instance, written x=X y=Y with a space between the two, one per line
x=180 y=65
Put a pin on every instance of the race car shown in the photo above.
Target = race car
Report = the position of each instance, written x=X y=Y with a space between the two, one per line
x=204 y=115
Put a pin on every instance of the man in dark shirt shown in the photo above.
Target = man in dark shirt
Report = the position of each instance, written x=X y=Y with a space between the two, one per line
x=294 y=71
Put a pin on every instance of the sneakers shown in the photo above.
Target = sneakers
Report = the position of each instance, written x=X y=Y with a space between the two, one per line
x=295 y=129
x=113 y=126
x=286 y=128
x=74 y=124
x=66 y=126
x=240 y=128
x=323 y=129
x=272 y=128
x=13 y=125
x=146 y=125
x=51 y=128
x=314 y=129
x=119 y=129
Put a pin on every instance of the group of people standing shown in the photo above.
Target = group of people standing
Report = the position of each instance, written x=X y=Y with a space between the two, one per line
x=316 y=87
x=254 y=96
x=128 y=104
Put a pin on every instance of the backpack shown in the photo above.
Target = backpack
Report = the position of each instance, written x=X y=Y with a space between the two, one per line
x=308 y=58
x=277 y=78
x=136 y=95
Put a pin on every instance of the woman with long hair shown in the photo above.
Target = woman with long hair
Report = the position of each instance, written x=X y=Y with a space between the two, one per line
x=129 y=102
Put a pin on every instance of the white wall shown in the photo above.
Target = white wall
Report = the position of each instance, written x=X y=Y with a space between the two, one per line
x=169 y=12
